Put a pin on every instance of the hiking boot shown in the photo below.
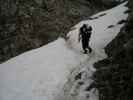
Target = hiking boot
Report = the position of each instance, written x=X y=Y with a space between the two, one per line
x=85 y=51
x=90 y=50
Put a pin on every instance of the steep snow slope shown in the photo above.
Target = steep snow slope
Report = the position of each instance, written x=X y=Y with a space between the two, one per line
x=41 y=74
x=101 y=34
x=38 y=74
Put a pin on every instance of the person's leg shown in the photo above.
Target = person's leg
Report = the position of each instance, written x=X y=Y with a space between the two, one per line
x=84 y=46
x=88 y=47
x=90 y=50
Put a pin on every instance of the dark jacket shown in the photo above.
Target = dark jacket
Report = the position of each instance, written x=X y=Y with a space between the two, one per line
x=85 y=33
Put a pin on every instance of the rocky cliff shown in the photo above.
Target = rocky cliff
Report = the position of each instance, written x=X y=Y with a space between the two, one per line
x=114 y=75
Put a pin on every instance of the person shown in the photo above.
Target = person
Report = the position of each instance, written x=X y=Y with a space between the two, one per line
x=84 y=35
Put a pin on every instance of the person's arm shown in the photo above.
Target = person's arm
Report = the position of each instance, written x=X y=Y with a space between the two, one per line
x=79 y=37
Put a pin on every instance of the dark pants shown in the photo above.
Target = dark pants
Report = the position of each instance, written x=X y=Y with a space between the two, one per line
x=85 y=45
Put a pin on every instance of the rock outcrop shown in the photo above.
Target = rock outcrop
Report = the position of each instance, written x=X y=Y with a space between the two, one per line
x=114 y=75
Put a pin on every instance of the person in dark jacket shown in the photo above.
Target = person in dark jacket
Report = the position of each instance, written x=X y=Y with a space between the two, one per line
x=84 y=35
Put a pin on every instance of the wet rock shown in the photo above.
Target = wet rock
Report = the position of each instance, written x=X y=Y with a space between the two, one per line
x=39 y=2
x=8 y=7
x=128 y=11
x=78 y=76
x=111 y=2
x=81 y=83
x=122 y=22
x=111 y=26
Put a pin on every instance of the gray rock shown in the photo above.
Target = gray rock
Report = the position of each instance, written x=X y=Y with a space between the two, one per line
x=111 y=2
x=39 y=2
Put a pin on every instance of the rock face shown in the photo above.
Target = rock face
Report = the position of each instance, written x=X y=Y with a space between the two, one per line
x=111 y=2
x=114 y=75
